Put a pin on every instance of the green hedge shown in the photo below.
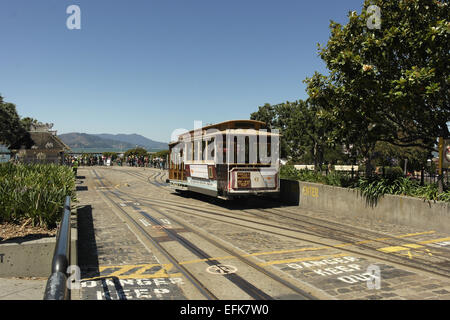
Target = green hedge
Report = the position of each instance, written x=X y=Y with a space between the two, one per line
x=333 y=178
x=34 y=191
x=372 y=187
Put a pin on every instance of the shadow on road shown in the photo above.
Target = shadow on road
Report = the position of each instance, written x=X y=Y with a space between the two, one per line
x=86 y=245
x=253 y=202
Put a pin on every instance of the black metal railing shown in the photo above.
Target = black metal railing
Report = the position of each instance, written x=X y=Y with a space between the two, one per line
x=56 y=288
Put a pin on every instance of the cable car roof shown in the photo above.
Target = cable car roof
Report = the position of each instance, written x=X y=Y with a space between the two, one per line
x=238 y=127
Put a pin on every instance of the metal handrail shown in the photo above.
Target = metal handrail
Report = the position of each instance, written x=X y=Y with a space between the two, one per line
x=56 y=288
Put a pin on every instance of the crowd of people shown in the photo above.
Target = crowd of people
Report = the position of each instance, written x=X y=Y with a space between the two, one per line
x=136 y=161
x=86 y=161
x=132 y=161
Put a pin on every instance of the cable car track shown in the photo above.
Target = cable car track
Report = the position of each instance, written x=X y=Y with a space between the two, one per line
x=318 y=223
x=237 y=280
x=422 y=265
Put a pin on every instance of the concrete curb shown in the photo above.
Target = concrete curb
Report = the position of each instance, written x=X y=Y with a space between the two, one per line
x=27 y=259
x=33 y=258
x=401 y=210
x=74 y=293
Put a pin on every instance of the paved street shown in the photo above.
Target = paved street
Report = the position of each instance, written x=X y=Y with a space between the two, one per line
x=139 y=239
x=22 y=289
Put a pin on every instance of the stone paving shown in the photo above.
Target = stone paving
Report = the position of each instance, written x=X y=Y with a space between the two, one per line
x=338 y=274
x=107 y=244
x=22 y=289
x=334 y=272
x=106 y=240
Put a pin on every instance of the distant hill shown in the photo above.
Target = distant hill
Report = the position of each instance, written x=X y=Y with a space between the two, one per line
x=76 y=140
x=135 y=139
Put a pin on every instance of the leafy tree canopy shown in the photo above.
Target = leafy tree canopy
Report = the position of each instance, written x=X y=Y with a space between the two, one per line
x=136 y=152
x=304 y=134
x=13 y=133
x=388 y=84
x=161 y=154
x=112 y=155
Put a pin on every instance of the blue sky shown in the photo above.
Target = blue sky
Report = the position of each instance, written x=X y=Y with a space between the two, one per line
x=149 y=67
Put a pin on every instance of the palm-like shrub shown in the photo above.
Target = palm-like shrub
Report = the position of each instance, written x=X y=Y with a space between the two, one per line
x=34 y=191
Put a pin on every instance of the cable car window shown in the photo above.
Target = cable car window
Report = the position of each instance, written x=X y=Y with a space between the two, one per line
x=204 y=155
x=211 y=149
x=247 y=150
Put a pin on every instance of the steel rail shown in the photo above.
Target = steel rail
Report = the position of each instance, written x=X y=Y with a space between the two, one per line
x=57 y=288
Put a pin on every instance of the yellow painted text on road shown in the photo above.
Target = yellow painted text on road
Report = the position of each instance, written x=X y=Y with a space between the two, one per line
x=139 y=271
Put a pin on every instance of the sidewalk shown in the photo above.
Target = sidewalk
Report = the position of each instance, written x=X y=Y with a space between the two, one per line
x=22 y=289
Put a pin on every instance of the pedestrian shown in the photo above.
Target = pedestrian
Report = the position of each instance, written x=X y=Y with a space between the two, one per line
x=75 y=167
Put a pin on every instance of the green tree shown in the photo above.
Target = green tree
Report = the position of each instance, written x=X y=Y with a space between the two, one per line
x=136 y=152
x=161 y=154
x=388 y=84
x=27 y=122
x=305 y=135
x=275 y=117
x=13 y=134
x=386 y=153
x=266 y=114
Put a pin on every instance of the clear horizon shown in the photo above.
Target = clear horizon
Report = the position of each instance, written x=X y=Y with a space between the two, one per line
x=120 y=133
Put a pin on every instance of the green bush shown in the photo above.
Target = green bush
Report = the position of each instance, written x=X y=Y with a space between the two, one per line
x=444 y=196
x=290 y=173
x=34 y=191
x=376 y=186
x=394 y=171
x=372 y=188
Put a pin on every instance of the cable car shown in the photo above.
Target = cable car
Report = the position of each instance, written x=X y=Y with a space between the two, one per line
x=232 y=159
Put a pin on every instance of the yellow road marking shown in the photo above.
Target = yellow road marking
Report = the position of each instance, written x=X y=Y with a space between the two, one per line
x=435 y=240
x=394 y=237
x=400 y=248
x=415 y=234
x=269 y=263
x=285 y=251
x=117 y=273
x=392 y=249
x=138 y=274
x=411 y=245
x=164 y=268
x=311 y=248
